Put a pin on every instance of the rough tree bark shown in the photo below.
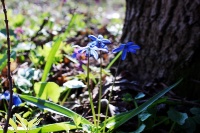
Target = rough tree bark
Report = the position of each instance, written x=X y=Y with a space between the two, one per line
x=168 y=32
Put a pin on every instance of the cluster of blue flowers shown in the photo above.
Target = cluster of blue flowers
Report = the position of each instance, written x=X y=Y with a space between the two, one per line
x=100 y=43
x=6 y=95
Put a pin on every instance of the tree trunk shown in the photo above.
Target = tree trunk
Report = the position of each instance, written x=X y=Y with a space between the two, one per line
x=168 y=32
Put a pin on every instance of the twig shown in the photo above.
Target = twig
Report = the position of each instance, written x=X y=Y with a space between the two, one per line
x=45 y=21
x=9 y=73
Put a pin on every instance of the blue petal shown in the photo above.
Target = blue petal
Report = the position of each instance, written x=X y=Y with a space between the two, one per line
x=132 y=51
x=80 y=51
x=91 y=44
x=74 y=55
x=105 y=48
x=94 y=53
x=87 y=51
x=16 y=100
x=92 y=37
x=106 y=41
x=5 y=95
x=100 y=37
x=124 y=53
x=129 y=43
x=120 y=48
x=134 y=47
x=83 y=49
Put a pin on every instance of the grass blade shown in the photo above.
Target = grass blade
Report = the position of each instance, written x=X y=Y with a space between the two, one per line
x=50 y=59
x=63 y=126
x=58 y=127
x=113 y=61
x=52 y=107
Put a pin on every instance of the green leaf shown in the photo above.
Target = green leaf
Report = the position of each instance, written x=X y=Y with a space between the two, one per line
x=177 y=116
x=10 y=31
x=189 y=126
x=116 y=121
x=45 y=90
x=23 y=122
x=77 y=120
x=13 y=124
x=127 y=97
x=195 y=111
x=196 y=119
x=63 y=126
x=58 y=127
x=37 y=122
x=140 y=129
x=87 y=128
x=50 y=59
x=144 y=115
x=93 y=77
x=24 y=46
x=23 y=84
x=3 y=59
x=52 y=107
x=22 y=79
x=140 y=95
x=72 y=84
x=18 y=20
x=30 y=123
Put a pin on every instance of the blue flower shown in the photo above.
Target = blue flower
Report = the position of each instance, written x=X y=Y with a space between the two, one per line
x=90 y=50
x=99 y=41
x=128 y=47
x=16 y=100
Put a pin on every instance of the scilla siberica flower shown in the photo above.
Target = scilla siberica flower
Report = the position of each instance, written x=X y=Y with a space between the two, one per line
x=16 y=100
x=128 y=47
x=90 y=50
x=99 y=41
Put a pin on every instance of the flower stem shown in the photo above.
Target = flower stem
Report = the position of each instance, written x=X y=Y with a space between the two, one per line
x=172 y=127
x=100 y=91
x=90 y=94
x=66 y=96
x=8 y=73
x=111 y=94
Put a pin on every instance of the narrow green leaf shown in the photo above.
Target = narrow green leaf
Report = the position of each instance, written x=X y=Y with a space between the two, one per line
x=52 y=107
x=63 y=126
x=50 y=59
x=23 y=122
x=37 y=122
x=13 y=124
x=77 y=120
x=30 y=123
x=58 y=127
x=120 y=119
x=113 y=61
